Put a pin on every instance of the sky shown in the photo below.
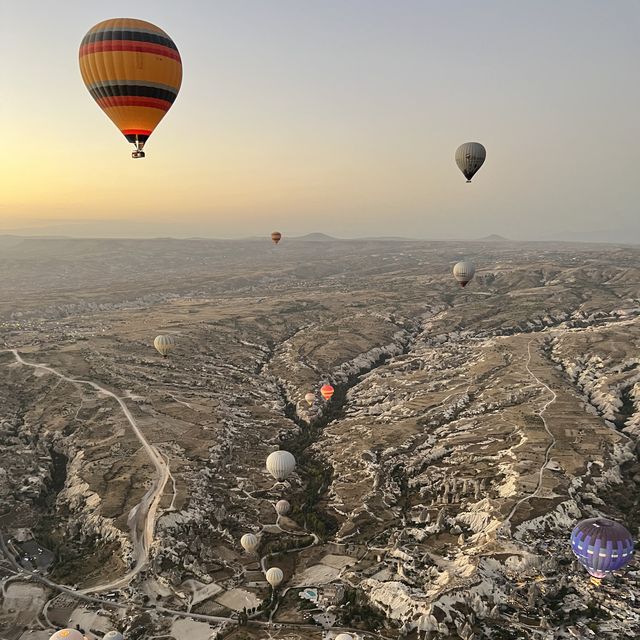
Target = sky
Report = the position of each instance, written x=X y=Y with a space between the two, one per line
x=339 y=116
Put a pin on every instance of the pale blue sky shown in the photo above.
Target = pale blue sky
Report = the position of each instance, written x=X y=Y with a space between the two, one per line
x=335 y=115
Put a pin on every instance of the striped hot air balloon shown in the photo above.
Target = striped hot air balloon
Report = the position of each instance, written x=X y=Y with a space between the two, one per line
x=249 y=542
x=280 y=464
x=133 y=70
x=470 y=156
x=282 y=507
x=463 y=272
x=274 y=576
x=164 y=344
x=276 y=236
x=601 y=546
x=326 y=391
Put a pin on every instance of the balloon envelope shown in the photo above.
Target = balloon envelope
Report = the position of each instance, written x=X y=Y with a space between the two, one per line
x=463 y=272
x=67 y=634
x=274 y=576
x=310 y=398
x=276 y=237
x=133 y=70
x=327 y=391
x=344 y=636
x=164 y=344
x=113 y=635
x=249 y=542
x=280 y=464
x=470 y=156
x=601 y=545
x=282 y=507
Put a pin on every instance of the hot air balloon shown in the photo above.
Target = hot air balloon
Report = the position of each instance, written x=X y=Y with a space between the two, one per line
x=310 y=398
x=164 y=344
x=344 y=636
x=601 y=546
x=276 y=236
x=282 y=507
x=280 y=464
x=327 y=391
x=133 y=70
x=274 y=576
x=67 y=634
x=249 y=542
x=113 y=635
x=463 y=272
x=470 y=156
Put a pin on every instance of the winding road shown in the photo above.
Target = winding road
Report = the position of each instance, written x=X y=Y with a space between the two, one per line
x=551 y=444
x=142 y=517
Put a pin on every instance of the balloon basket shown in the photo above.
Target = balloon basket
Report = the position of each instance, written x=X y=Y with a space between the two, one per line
x=137 y=154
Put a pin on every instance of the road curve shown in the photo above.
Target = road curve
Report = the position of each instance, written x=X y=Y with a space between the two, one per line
x=142 y=517
x=551 y=444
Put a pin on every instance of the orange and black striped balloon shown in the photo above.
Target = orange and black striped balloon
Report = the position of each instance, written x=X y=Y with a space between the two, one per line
x=133 y=71
x=276 y=236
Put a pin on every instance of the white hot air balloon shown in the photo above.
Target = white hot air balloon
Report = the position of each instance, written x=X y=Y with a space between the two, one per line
x=164 y=344
x=470 y=156
x=113 y=635
x=282 y=507
x=274 y=576
x=67 y=634
x=249 y=542
x=280 y=464
x=310 y=398
x=463 y=272
x=344 y=636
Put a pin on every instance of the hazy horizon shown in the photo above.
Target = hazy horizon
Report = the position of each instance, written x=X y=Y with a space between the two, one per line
x=333 y=117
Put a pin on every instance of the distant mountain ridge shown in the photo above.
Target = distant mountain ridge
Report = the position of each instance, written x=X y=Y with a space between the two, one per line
x=315 y=237
x=494 y=237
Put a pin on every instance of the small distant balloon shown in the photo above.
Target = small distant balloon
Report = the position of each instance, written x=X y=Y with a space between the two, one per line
x=280 y=464
x=164 y=345
x=310 y=398
x=601 y=546
x=470 y=156
x=67 y=634
x=276 y=236
x=274 y=576
x=249 y=542
x=327 y=391
x=113 y=635
x=463 y=272
x=344 y=636
x=282 y=507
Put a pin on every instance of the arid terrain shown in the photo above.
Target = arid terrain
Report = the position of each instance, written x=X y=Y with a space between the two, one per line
x=433 y=496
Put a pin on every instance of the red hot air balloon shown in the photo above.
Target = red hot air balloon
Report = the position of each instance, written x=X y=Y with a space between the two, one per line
x=326 y=391
x=276 y=236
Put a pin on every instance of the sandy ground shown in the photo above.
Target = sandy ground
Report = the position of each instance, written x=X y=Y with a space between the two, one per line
x=24 y=597
x=90 y=620
x=237 y=599
x=36 y=635
x=337 y=562
x=192 y=630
